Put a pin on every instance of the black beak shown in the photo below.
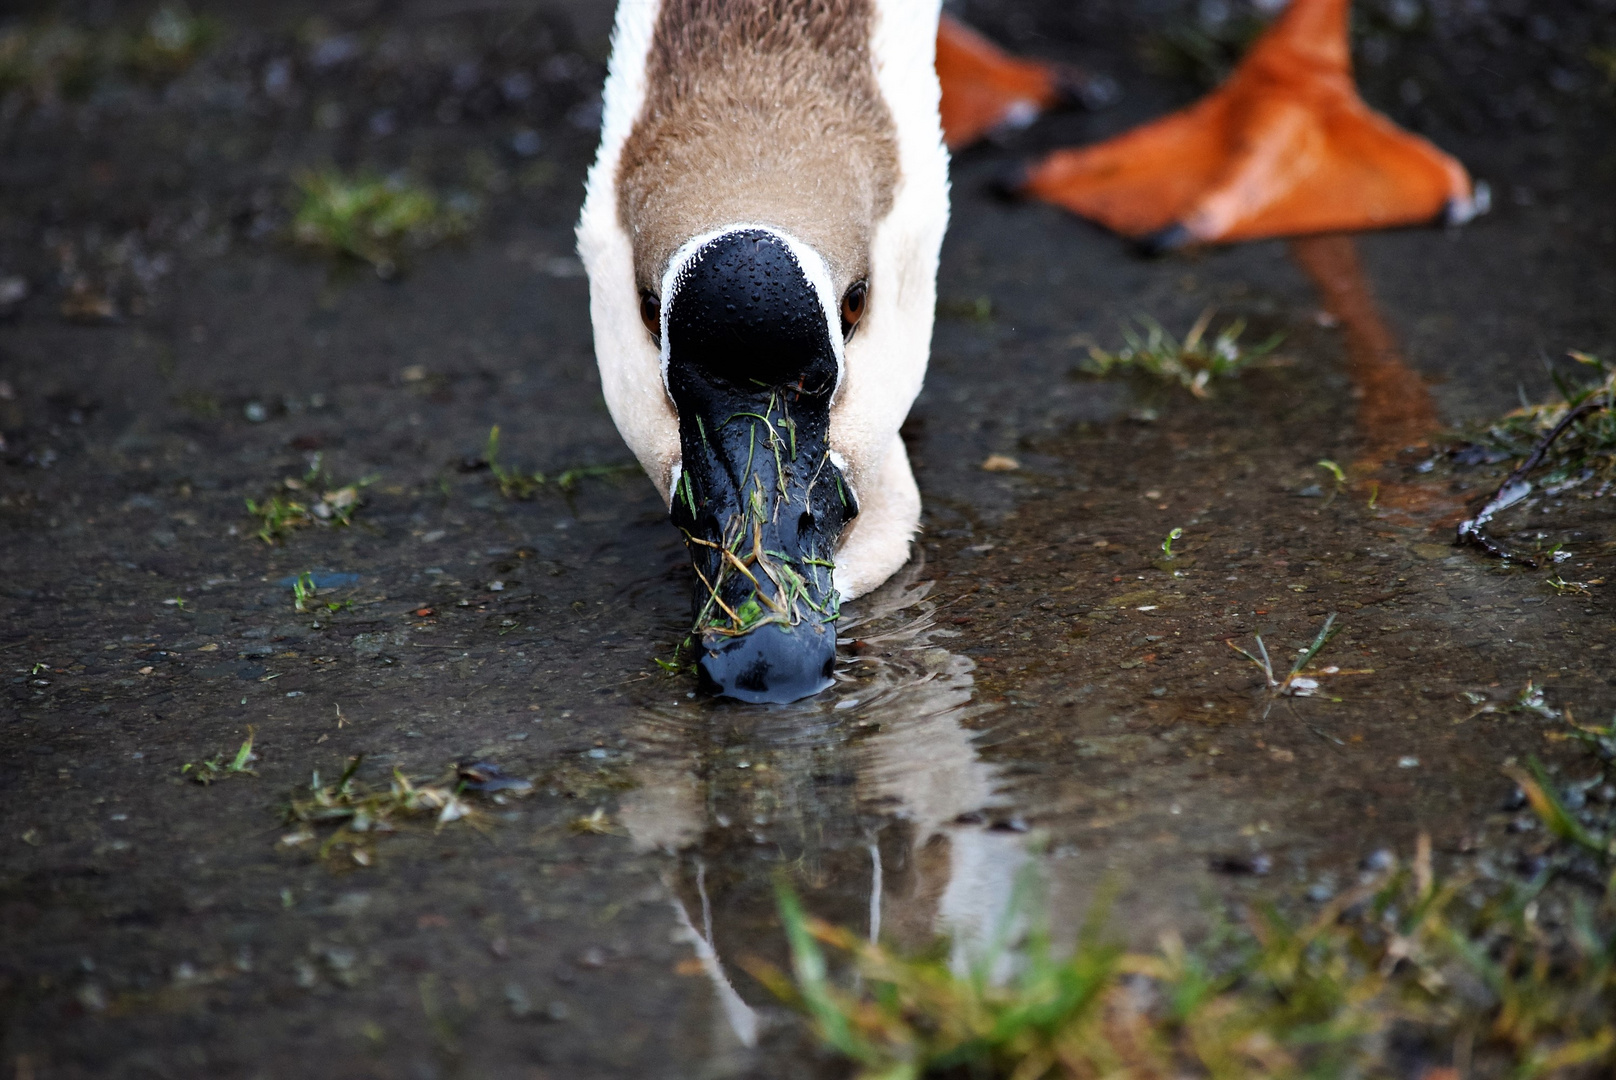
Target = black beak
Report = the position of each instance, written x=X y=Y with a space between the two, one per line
x=751 y=369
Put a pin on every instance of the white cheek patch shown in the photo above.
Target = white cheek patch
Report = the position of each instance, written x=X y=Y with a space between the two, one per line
x=840 y=462
x=675 y=471
x=808 y=261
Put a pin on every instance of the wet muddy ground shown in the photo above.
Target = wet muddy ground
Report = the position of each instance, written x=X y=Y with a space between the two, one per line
x=1041 y=670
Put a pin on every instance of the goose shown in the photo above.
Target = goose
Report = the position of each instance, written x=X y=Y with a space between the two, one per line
x=761 y=231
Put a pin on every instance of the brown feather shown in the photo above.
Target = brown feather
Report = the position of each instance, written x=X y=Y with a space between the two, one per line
x=765 y=112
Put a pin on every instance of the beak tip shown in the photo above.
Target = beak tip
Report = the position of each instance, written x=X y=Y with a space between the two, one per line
x=771 y=665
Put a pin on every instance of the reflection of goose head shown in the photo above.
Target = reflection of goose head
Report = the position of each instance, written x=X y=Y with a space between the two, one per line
x=869 y=796
x=771 y=178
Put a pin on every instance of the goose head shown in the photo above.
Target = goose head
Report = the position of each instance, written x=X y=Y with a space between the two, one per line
x=761 y=233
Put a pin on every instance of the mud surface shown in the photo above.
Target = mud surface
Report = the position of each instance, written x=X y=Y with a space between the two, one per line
x=1041 y=666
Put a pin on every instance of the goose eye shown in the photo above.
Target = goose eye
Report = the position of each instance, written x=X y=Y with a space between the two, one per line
x=853 y=304
x=651 y=315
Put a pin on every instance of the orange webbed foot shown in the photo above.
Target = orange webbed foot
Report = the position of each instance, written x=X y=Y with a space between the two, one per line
x=986 y=90
x=1285 y=147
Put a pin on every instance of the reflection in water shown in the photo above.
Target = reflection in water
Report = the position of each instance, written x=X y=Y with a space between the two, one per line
x=870 y=797
x=1395 y=409
x=1394 y=405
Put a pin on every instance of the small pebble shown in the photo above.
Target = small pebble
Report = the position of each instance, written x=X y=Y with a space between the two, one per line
x=1378 y=860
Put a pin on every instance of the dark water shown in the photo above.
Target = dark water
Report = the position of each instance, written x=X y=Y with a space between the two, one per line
x=1040 y=672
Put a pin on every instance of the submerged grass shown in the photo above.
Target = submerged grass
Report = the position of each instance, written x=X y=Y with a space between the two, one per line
x=357 y=813
x=377 y=220
x=516 y=484
x=1509 y=991
x=314 y=500
x=1192 y=363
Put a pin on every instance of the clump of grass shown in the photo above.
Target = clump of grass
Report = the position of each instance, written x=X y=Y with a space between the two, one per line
x=1586 y=448
x=172 y=40
x=1280 y=1001
x=1301 y=680
x=784 y=604
x=217 y=768
x=1273 y=999
x=516 y=484
x=1575 y=438
x=373 y=219
x=47 y=62
x=778 y=588
x=786 y=599
x=305 y=593
x=1600 y=740
x=679 y=661
x=1565 y=587
x=976 y=309
x=356 y=813
x=595 y=823
x=54 y=60
x=314 y=500
x=1192 y=363
x=303 y=590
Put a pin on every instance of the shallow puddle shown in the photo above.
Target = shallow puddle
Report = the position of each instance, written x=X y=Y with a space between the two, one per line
x=1046 y=686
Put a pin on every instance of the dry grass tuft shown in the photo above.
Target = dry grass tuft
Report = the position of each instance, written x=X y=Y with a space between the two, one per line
x=1512 y=991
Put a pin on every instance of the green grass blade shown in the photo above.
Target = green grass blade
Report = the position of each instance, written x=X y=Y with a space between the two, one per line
x=808 y=964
